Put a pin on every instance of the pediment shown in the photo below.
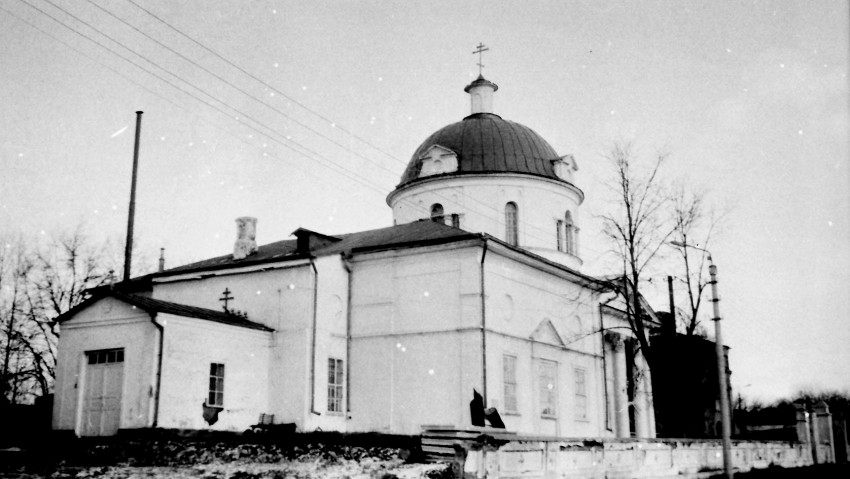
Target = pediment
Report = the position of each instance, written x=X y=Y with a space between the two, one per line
x=565 y=166
x=545 y=332
x=437 y=159
x=436 y=151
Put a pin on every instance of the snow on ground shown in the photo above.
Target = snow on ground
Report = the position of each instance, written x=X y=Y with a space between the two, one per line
x=179 y=459
x=247 y=470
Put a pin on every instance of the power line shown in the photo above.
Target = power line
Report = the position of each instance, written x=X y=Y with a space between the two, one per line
x=131 y=80
x=271 y=135
x=486 y=205
x=262 y=82
x=230 y=84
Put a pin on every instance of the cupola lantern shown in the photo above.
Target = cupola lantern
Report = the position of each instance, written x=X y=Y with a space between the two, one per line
x=481 y=95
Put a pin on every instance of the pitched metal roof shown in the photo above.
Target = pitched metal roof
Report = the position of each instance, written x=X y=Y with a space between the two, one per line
x=151 y=305
x=486 y=143
x=418 y=233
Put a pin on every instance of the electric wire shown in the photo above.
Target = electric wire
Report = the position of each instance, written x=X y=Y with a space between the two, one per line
x=272 y=136
x=359 y=178
x=277 y=110
x=235 y=136
x=261 y=81
x=167 y=82
x=231 y=84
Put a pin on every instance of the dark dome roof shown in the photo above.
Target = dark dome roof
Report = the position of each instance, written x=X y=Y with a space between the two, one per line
x=485 y=143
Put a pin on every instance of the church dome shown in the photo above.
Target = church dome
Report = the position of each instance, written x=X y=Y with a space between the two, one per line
x=486 y=143
x=490 y=175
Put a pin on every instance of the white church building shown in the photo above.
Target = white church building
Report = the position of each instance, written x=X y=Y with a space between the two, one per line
x=476 y=288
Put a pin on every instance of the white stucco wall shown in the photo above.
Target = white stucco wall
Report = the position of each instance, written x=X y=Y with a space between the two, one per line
x=417 y=342
x=480 y=201
x=190 y=346
x=331 y=316
x=106 y=324
x=416 y=349
x=279 y=298
x=283 y=299
x=521 y=303
x=415 y=338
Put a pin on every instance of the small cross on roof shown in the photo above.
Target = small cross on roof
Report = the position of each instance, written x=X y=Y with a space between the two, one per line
x=480 y=49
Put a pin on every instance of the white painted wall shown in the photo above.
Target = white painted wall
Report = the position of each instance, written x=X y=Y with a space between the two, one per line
x=415 y=343
x=519 y=299
x=332 y=300
x=481 y=199
x=279 y=298
x=106 y=324
x=283 y=299
x=190 y=346
x=416 y=347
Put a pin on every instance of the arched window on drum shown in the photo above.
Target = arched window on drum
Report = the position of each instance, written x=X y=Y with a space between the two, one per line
x=437 y=213
x=511 y=224
x=569 y=234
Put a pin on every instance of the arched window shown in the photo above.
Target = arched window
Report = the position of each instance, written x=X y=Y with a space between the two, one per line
x=569 y=233
x=559 y=234
x=511 y=224
x=437 y=213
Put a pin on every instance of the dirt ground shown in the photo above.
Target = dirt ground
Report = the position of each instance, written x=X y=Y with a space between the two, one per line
x=213 y=460
x=241 y=470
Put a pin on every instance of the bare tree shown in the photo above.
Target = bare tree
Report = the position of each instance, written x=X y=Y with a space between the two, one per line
x=637 y=226
x=38 y=282
x=66 y=268
x=19 y=375
x=693 y=224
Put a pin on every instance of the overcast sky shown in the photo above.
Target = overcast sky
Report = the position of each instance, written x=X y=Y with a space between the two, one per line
x=318 y=106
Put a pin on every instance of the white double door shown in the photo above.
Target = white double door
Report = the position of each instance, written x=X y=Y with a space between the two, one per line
x=104 y=381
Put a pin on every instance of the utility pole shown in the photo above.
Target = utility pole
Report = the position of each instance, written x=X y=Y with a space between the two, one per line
x=725 y=417
x=128 y=246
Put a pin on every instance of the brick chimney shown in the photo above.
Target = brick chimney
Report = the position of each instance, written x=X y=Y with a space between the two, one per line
x=246 y=237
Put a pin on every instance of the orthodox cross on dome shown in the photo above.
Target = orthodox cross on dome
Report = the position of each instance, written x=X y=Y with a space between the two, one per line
x=480 y=49
x=225 y=298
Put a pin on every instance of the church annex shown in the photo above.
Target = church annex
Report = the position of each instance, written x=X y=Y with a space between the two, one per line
x=476 y=287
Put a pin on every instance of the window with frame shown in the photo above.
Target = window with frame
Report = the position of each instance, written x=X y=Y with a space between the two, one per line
x=547 y=377
x=105 y=356
x=559 y=234
x=335 y=385
x=437 y=214
x=569 y=234
x=581 y=393
x=511 y=224
x=509 y=383
x=215 y=397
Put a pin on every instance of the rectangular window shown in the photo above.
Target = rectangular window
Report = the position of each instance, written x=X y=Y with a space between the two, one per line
x=216 y=395
x=547 y=374
x=105 y=356
x=509 y=381
x=456 y=220
x=335 y=385
x=581 y=394
x=559 y=232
